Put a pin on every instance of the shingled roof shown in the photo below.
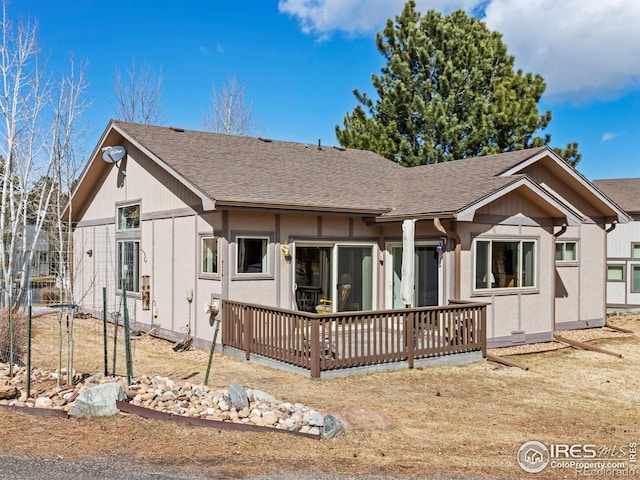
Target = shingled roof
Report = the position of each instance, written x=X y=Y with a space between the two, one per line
x=239 y=170
x=624 y=191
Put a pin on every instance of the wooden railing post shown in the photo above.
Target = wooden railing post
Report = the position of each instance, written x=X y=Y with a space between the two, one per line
x=315 y=348
x=483 y=330
x=410 y=339
x=247 y=318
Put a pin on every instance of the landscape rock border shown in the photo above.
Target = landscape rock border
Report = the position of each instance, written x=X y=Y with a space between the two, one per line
x=161 y=398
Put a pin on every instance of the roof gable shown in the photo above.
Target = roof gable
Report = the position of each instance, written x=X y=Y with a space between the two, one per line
x=249 y=171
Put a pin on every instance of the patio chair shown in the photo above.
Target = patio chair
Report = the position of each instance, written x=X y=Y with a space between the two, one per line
x=344 y=289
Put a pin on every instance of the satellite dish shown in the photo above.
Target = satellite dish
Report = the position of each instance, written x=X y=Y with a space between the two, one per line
x=113 y=154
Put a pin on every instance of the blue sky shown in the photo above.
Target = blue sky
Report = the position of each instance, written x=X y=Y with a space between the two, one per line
x=300 y=60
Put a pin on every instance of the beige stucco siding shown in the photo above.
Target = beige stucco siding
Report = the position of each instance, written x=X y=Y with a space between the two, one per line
x=528 y=310
x=261 y=288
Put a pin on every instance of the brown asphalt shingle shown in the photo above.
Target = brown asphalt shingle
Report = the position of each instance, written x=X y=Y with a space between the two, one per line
x=248 y=170
x=624 y=191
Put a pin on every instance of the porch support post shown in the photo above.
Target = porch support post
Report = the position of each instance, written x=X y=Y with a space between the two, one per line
x=248 y=331
x=315 y=348
x=410 y=338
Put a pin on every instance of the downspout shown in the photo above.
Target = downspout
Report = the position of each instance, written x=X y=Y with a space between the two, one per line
x=457 y=255
x=606 y=277
x=563 y=229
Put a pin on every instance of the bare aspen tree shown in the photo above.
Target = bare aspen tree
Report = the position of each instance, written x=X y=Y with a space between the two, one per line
x=228 y=112
x=138 y=96
x=23 y=96
x=67 y=107
x=37 y=149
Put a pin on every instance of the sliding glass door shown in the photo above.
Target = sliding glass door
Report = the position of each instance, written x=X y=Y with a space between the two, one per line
x=334 y=277
x=427 y=276
x=355 y=278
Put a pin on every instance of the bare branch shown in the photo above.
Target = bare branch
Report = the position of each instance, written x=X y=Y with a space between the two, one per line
x=228 y=112
x=138 y=96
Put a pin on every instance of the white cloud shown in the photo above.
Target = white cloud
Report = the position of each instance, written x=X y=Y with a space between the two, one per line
x=321 y=17
x=609 y=136
x=584 y=49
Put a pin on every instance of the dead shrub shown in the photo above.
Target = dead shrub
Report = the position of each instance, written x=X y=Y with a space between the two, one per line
x=51 y=295
x=19 y=337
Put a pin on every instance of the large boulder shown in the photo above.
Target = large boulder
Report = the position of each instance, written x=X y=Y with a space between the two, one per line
x=332 y=427
x=98 y=401
x=238 y=397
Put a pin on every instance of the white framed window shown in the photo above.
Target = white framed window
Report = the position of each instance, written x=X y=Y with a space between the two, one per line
x=128 y=217
x=566 y=251
x=128 y=274
x=635 y=278
x=252 y=255
x=209 y=255
x=504 y=264
x=615 y=273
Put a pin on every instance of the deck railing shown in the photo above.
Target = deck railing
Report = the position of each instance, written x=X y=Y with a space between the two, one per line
x=351 y=339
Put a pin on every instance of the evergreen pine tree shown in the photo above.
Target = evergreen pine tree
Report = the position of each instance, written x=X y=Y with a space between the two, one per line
x=448 y=91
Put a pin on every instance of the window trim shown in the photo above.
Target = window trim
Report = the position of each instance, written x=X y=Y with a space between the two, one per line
x=564 y=262
x=270 y=238
x=633 y=267
x=122 y=205
x=535 y=288
x=624 y=272
x=201 y=272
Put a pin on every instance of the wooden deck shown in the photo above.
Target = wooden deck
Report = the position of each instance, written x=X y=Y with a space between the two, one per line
x=321 y=343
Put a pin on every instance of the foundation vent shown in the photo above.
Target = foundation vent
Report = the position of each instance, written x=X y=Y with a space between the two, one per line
x=517 y=337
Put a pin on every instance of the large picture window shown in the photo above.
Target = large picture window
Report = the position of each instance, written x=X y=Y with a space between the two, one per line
x=129 y=217
x=209 y=255
x=503 y=264
x=129 y=266
x=252 y=255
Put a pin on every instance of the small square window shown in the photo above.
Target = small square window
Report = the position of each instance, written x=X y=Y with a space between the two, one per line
x=566 y=251
x=615 y=273
x=209 y=255
x=635 y=250
x=129 y=217
x=252 y=255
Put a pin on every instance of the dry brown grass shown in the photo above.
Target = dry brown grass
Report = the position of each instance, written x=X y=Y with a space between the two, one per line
x=467 y=420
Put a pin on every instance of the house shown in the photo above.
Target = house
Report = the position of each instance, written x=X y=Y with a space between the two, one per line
x=623 y=245
x=188 y=217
